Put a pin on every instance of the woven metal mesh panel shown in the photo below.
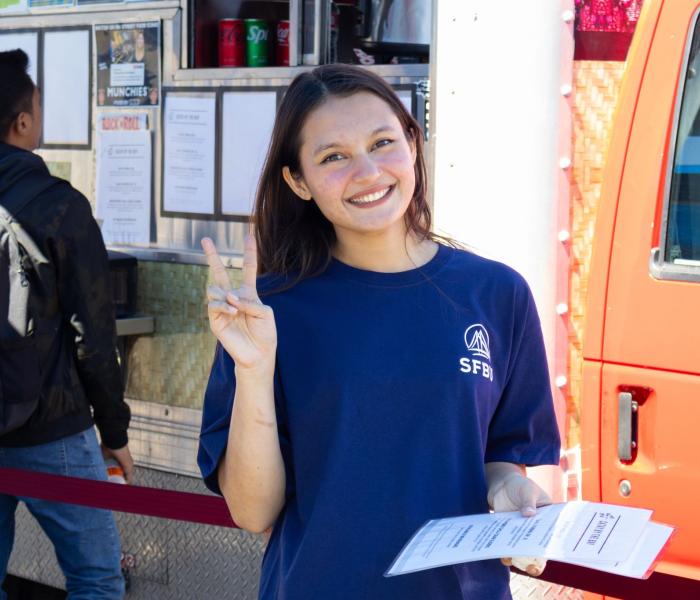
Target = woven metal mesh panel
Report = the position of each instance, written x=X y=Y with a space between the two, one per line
x=597 y=87
x=171 y=366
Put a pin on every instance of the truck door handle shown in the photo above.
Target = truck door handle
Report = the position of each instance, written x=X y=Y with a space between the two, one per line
x=626 y=425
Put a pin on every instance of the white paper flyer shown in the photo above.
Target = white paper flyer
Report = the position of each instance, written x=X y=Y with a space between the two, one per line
x=617 y=539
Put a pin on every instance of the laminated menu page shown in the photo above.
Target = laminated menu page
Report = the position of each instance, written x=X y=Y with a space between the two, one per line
x=616 y=539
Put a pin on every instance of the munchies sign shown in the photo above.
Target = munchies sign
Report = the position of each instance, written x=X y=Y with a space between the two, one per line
x=128 y=64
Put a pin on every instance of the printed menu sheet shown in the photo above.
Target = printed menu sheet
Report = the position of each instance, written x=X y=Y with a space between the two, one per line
x=613 y=538
x=124 y=186
x=189 y=140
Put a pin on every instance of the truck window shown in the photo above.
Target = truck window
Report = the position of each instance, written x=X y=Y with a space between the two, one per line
x=682 y=240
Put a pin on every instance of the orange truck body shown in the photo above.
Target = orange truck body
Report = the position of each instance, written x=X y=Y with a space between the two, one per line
x=642 y=340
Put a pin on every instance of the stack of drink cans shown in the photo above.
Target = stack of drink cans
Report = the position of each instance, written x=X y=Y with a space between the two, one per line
x=246 y=43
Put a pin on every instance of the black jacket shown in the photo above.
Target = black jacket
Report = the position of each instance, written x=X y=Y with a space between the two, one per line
x=76 y=333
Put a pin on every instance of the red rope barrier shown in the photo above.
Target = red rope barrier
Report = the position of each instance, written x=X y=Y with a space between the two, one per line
x=212 y=510
x=166 y=504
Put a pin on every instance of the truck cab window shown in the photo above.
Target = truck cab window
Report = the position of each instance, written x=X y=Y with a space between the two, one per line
x=683 y=228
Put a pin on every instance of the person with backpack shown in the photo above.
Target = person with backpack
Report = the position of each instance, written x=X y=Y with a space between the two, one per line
x=59 y=373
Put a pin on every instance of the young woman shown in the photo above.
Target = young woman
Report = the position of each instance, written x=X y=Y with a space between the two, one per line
x=368 y=376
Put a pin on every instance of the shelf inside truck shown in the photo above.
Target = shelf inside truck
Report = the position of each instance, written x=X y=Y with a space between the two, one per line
x=135 y=325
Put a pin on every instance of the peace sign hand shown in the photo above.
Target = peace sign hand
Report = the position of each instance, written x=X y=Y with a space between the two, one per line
x=239 y=320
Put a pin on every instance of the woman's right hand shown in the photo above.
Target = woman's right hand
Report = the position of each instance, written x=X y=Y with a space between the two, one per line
x=239 y=320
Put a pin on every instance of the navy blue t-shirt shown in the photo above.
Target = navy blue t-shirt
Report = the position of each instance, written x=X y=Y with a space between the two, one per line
x=392 y=390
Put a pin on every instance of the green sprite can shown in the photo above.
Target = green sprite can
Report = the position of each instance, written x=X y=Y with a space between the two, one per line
x=257 y=35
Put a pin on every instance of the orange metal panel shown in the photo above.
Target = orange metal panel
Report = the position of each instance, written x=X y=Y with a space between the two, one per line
x=597 y=284
x=664 y=474
x=590 y=430
x=643 y=331
x=650 y=322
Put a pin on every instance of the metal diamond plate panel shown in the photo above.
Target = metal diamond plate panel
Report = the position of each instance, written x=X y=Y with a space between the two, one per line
x=32 y=556
x=173 y=560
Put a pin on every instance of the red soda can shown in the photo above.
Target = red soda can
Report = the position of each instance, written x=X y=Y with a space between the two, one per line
x=231 y=43
x=282 y=45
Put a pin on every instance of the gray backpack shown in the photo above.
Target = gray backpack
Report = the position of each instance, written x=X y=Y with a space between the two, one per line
x=20 y=376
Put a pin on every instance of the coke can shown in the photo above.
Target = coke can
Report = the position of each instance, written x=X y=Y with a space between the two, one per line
x=231 y=43
x=282 y=45
x=257 y=37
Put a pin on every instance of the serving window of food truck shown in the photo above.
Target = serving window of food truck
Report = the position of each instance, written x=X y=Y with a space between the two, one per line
x=136 y=74
x=160 y=112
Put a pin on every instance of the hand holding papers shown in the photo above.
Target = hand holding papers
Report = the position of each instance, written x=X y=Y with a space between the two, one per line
x=610 y=538
x=510 y=490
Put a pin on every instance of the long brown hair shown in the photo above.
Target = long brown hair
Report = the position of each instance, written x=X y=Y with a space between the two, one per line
x=293 y=236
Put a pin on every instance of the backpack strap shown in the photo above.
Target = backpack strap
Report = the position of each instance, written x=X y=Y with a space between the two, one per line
x=17 y=197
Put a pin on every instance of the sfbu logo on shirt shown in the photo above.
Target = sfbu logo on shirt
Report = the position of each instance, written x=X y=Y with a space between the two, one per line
x=477 y=340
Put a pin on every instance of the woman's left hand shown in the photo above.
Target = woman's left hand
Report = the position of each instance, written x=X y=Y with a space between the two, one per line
x=517 y=492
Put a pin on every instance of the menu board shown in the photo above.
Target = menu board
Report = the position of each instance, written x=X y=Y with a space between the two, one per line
x=27 y=41
x=189 y=142
x=248 y=118
x=123 y=190
x=66 y=87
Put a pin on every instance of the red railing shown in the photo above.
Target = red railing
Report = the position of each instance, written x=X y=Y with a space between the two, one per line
x=212 y=510
x=152 y=502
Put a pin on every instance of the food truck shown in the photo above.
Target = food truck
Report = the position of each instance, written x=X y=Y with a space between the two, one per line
x=160 y=113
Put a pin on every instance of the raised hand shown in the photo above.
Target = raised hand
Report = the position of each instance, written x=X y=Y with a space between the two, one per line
x=239 y=320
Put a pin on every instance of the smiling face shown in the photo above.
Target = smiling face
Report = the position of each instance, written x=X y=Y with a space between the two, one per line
x=357 y=165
